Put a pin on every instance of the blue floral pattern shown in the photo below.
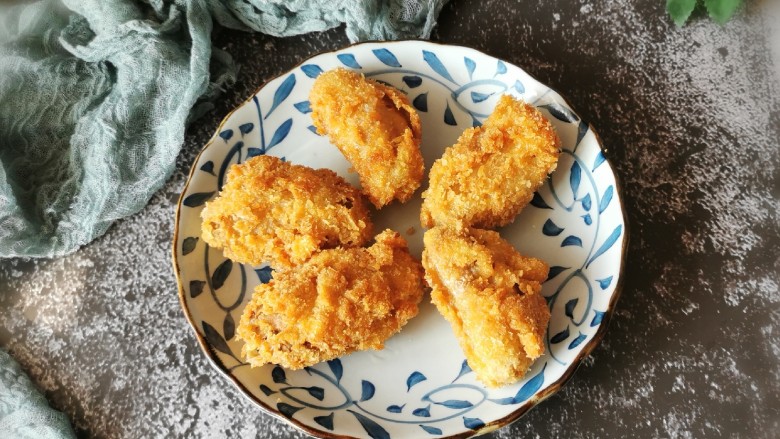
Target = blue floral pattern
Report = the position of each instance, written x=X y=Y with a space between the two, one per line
x=577 y=215
x=311 y=398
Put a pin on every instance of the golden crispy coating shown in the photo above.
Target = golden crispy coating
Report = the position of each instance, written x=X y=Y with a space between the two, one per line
x=273 y=211
x=377 y=130
x=490 y=294
x=340 y=301
x=492 y=172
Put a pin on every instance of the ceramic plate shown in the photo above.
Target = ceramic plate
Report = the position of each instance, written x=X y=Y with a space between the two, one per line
x=419 y=385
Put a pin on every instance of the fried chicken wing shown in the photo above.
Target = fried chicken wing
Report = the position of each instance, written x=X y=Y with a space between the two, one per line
x=492 y=172
x=376 y=129
x=340 y=301
x=490 y=294
x=273 y=211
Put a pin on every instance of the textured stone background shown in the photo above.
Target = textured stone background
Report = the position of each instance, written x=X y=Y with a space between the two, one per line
x=691 y=120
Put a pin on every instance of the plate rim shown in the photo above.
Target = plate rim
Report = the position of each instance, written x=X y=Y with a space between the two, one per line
x=532 y=402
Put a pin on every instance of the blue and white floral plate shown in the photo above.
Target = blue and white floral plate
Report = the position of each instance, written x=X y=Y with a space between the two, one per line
x=419 y=385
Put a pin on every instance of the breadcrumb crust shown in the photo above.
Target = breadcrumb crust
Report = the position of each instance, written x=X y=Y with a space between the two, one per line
x=340 y=301
x=273 y=211
x=492 y=172
x=491 y=295
x=377 y=130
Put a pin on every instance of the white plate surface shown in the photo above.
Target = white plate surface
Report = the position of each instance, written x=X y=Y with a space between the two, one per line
x=419 y=385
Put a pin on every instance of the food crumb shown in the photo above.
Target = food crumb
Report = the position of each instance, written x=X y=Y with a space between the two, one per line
x=411 y=231
x=351 y=170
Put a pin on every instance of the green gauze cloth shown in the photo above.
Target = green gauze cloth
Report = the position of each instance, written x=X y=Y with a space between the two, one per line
x=24 y=413
x=95 y=96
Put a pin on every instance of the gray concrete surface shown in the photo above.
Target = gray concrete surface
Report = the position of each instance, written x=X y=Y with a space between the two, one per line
x=691 y=120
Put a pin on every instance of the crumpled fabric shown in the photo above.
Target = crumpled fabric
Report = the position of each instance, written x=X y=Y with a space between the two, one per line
x=95 y=96
x=24 y=412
